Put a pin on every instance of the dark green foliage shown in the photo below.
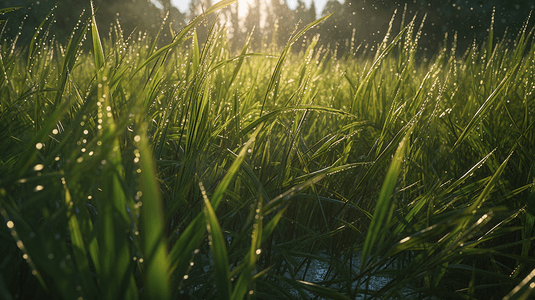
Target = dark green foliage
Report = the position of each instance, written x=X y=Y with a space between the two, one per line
x=133 y=15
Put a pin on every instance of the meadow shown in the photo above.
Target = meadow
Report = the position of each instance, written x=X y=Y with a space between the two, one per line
x=130 y=169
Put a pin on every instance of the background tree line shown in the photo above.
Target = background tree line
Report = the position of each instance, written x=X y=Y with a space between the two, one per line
x=274 y=20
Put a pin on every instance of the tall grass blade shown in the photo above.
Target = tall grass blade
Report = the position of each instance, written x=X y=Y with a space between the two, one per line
x=79 y=248
x=192 y=236
x=384 y=206
x=117 y=279
x=180 y=36
x=273 y=85
x=98 y=51
x=218 y=249
x=247 y=276
x=152 y=227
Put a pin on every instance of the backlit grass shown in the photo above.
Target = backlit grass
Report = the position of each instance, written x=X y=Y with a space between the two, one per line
x=189 y=171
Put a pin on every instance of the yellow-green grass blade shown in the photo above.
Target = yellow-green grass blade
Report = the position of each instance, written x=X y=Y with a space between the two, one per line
x=273 y=86
x=192 y=236
x=490 y=39
x=247 y=275
x=277 y=111
x=60 y=107
x=180 y=36
x=195 y=55
x=117 y=280
x=490 y=186
x=34 y=40
x=9 y=9
x=486 y=106
x=152 y=228
x=373 y=68
x=98 y=51
x=384 y=206
x=218 y=249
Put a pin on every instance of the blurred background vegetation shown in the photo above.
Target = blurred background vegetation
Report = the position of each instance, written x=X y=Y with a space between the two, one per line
x=274 y=20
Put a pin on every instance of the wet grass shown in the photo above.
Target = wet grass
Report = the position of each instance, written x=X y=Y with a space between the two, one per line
x=188 y=171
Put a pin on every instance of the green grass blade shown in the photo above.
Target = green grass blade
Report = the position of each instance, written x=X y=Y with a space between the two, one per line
x=485 y=106
x=247 y=275
x=383 y=208
x=523 y=290
x=180 y=36
x=490 y=185
x=218 y=249
x=79 y=249
x=98 y=51
x=34 y=40
x=274 y=81
x=152 y=228
x=9 y=9
x=117 y=281
x=192 y=236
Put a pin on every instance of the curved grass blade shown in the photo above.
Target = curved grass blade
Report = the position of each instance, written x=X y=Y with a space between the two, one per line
x=182 y=34
x=247 y=275
x=98 y=51
x=273 y=85
x=33 y=41
x=59 y=108
x=490 y=185
x=117 y=280
x=383 y=208
x=218 y=249
x=152 y=227
x=192 y=236
x=9 y=9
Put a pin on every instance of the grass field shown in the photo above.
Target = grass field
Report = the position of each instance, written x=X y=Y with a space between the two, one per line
x=186 y=171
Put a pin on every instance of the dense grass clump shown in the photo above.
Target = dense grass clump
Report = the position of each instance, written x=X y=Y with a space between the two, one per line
x=189 y=171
